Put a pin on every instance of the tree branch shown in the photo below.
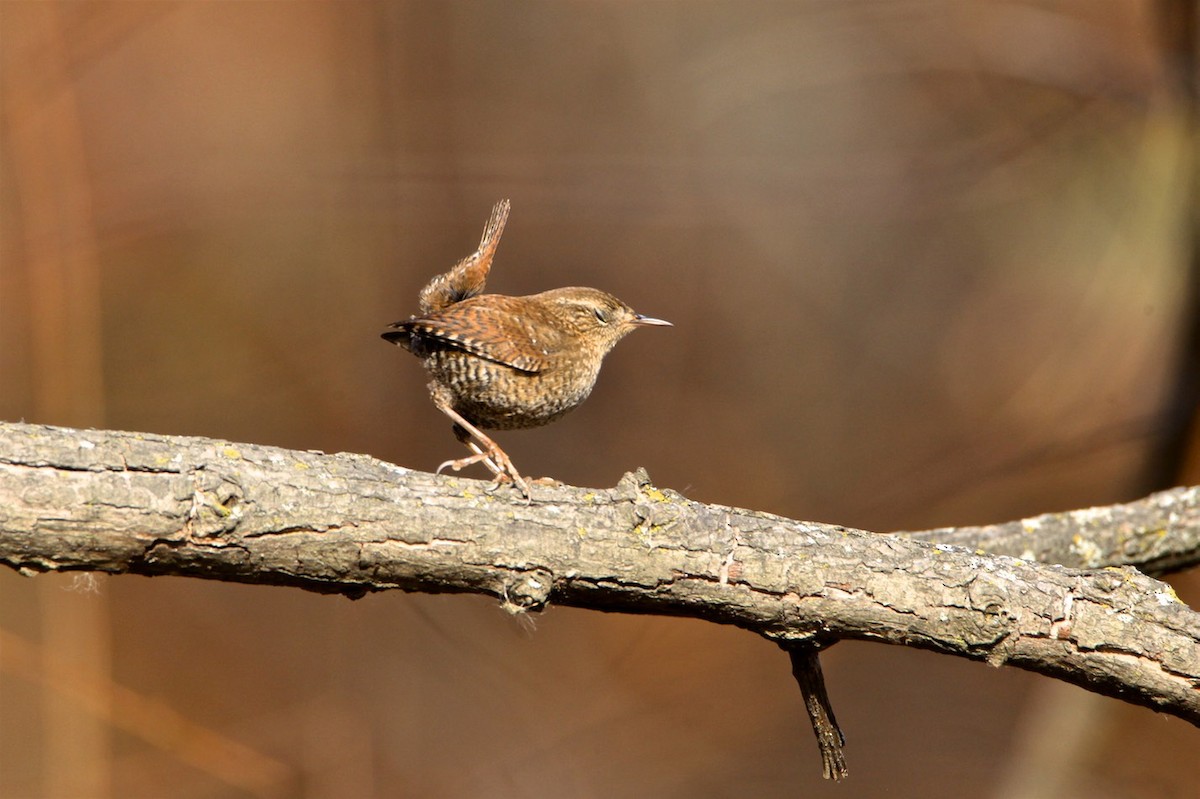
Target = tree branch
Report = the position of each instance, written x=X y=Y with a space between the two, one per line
x=149 y=504
x=1158 y=535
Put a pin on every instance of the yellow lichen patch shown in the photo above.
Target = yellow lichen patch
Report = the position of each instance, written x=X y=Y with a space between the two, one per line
x=230 y=452
x=213 y=503
x=300 y=465
x=1088 y=551
x=654 y=494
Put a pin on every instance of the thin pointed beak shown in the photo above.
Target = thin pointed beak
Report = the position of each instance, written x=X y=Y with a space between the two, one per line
x=650 y=320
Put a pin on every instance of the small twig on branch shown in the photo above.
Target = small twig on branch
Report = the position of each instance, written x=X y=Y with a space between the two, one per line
x=806 y=668
x=127 y=503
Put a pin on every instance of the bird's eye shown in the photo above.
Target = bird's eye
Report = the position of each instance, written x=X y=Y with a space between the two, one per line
x=601 y=316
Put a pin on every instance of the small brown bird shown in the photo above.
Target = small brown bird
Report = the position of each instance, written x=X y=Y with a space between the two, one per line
x=504 y=363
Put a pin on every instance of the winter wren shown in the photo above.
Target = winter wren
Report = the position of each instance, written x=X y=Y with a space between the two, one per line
x=504 y=363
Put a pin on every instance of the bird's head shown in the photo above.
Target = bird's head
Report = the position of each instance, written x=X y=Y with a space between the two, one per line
x=597 y=317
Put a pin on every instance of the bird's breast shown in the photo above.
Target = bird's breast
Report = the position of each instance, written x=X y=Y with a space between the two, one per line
x=497 y=396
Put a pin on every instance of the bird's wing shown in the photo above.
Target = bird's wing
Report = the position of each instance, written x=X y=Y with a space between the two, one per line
x=496 y=330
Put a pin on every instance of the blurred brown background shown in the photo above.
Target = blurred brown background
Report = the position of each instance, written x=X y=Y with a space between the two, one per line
x=929 y=263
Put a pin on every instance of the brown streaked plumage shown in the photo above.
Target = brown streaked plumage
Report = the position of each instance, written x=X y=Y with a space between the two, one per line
x=503 y=363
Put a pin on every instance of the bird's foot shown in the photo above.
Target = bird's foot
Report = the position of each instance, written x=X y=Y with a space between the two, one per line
x=498 y=462
x=486 y=451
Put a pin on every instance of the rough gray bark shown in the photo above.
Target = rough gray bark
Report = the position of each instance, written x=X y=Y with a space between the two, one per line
x=154 y=505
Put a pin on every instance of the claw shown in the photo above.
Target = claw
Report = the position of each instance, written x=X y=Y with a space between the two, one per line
x=461 y=463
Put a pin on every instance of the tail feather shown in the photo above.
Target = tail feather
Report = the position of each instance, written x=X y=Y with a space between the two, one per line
x=467 y=277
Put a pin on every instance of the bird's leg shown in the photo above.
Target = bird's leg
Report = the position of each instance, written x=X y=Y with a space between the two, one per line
x=465 y=437
x=485 y=451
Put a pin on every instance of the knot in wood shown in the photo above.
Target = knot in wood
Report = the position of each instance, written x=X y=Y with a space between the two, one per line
x=631 y=483
x=215 y=504
x=989 y=595
x=527 y=591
